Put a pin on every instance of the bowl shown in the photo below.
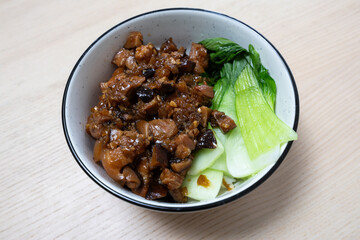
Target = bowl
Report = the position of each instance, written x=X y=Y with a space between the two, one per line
x=185 y=26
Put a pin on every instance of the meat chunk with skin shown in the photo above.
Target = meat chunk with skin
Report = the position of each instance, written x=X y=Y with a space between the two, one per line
x=163 y=129
x=131 y=179
x=224 y=122
x=112 y=80
x=143 y=169
x=172 y=64
x=93 y=128
x=124 y=88
x=131 y=63
x=135 y=39
x=162 y=72
x=186 y=65
x=99 y=151
x=118 y=71
x=114 y=160
x=126 y=146
x=131 y=142
x=182 y=151
x=178 y=195
x=152 y=115
x=149 y=108
x=171 y=179
x=184 y=146
x=121 y=57
x=94 y=124
x=143 y=127
x=168 y=46
x=144 y=53
x=198 y=54
x=188 y=79
x=205 y=115
x=185 y=112
x=181 y=165
x=127 y=84
x=205 y=90
x=159 y=157
x=156 y=191
x=193 y=133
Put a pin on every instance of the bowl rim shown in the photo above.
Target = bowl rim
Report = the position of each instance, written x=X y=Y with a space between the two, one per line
x=169 y=208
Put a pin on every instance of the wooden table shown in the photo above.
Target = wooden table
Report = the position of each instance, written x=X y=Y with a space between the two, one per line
x=315 y=194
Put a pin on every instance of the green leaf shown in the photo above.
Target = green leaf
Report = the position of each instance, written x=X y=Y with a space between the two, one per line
x=261 y=129
x=266 y=82
x=222 y=50
x=225 y=85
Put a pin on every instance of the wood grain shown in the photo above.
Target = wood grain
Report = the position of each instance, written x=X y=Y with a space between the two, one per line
x=315 y=193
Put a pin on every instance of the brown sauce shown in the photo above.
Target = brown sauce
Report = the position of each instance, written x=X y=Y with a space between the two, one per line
x=184 y=191
x=226 y=185
x=152 y=116
x=203 y=181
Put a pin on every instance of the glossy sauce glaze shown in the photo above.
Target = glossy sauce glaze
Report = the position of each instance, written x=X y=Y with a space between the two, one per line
x=152 y=116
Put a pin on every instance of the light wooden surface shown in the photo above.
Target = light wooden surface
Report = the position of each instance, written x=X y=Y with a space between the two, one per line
x=315 y=194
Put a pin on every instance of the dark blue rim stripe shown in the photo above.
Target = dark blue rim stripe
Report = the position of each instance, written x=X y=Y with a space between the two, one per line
x=177 y=209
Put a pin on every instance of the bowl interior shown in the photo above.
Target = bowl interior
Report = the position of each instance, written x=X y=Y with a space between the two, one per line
x=184 y=26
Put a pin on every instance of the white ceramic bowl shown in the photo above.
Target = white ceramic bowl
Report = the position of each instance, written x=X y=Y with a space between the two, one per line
x=184 y=26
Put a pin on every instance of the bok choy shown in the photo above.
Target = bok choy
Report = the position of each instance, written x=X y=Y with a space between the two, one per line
x=266 y=83
x=261 y=129
x=244 y=91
